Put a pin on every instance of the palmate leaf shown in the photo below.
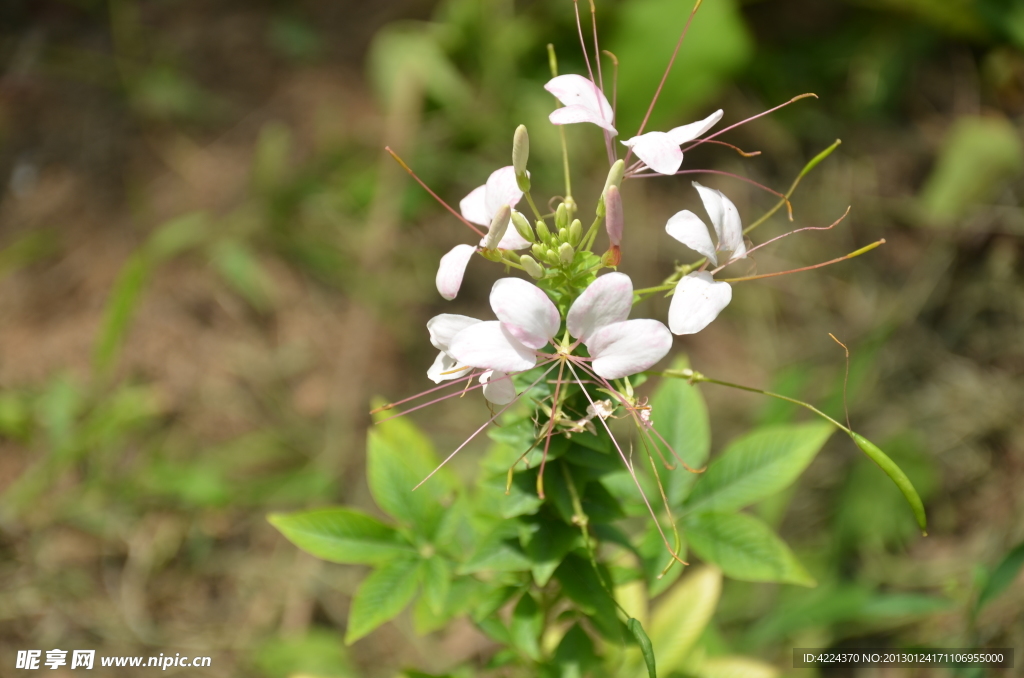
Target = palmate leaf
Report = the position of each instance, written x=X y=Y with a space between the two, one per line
x=744 y=547
x=757 y=466
x=341 y=535
x=382 y=596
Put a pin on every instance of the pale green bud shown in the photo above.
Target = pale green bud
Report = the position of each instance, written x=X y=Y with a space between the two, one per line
x=533 y=269
x=614 y=179
x=520 y=154
x=566 y=253
x=496 y=231
x=542 y=231
x=523 y=228
x=552 y=257
x=575 y=232
x=561 y=216
x=563 y=235
x=539 y=251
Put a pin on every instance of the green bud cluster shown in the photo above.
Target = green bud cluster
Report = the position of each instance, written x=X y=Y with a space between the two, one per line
x=555 y=246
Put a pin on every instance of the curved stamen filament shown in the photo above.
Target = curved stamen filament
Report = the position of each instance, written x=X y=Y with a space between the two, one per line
x=435 y=195
x=789 y=206
x=720 y=132
x=851 y=255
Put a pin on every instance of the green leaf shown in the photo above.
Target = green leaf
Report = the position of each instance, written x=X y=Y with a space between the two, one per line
x=744 y=547
x=381 y=596
x=897 y=475
x=317 y=653
x=682 y=614
x=120 y=308
x=243 y=272
x=681 y=417
x=581 y=585
x=1003 y=576
x=757 y=466
x=575 y=653
x=655 y=556
x=399 y=456
x=735 y=667
x=341 y=535
x=546 y=541
x=496 y=553
x=437 y=582
x=637 y=629
x=526 y=626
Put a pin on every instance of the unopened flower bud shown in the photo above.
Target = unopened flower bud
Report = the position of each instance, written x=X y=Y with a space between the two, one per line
x=533 y=269
x=566 y=253
x=520 y=154
x=542 y=231
x=614 y=222
x=575 y=232
x=551 y=257
x=561 y=216
x=563 y=235
x=539 y=251
x=523 y=228
x=614 y=179
x=496 y=231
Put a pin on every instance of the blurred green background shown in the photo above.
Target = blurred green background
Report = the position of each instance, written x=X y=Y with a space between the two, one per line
x=208 y=267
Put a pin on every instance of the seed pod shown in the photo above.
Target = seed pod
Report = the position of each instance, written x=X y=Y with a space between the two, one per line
x=533 y=269
x=575 y=232
x=566 y=253
x=523 y=227
x=897 y=475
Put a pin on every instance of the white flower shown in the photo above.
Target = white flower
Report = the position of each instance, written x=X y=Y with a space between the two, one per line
x=497 y=386
x=480 y=207
x=698 y=299
x=582 y=101
x=660 y=150
x=527 y=321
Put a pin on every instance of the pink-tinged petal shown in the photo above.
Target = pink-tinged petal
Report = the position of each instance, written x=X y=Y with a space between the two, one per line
x=726 y=220
x=680 y=135
x=525 y=311
x=697 y=301
x=498 y=387
x=490 y=346
x=513 y=241
x=625 y=348
x=658 y=151
x=452 y=269
x=445 y=367
x=606 y=301
x=501 y=189
x=444 y=327
x=474 y=206
x=614 y=221
x=687 y=228
x=577 y=92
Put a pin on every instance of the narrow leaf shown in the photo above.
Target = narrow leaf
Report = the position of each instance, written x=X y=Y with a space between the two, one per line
x=897 y=475
x=1004 y=575
x=341 y=535
x=120 y=308
x=526 y=626
x=682 y=614
x=744 y=547
x=437 y=582
x=757 y=466
x=646 y=648
x=382 y=596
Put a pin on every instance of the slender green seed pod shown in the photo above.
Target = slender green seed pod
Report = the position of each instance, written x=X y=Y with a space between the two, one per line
x=523 y=227
x=897 y=475
x=542 y=231
x=533 y=269
x=575 y=232
x=563 y=235
x=566 y=253
x=561 y=216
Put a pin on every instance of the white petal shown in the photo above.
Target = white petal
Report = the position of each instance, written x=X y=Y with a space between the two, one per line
x=498 y=387
x=444 y=327
x=658 y=151
x=680 y=135
x=607 y=300
x=525 y=311
x=625 y=348
x=444 y=368
x=452 y=268
x=501 y=189
x=512 y=240
x=474 y=206
x=489 y=346
x=697 y=301
x=573 y=114
x=577 y=92
x=687 y=228
x=726 y=220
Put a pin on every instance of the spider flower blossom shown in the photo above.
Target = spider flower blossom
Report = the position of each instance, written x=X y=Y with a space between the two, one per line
x=698 y=298
x=528 y=320
x=497 y=387
x=582 y=101
x=480 y=207
x=660 y=150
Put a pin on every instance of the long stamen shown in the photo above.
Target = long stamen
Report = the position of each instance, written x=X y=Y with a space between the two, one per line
x=485 y=425
x=590 y=72
x=745 y=154
x=615 y=82
x=784 y=235
x=384 y=408
x=720 y=132
x=597 y=49
x=851 y=255
x=664 y=76
x=789 y=206
x=629 y=467
x=551 y=429
x=435 y=195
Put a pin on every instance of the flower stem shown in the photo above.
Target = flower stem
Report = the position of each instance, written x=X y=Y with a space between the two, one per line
x=533 y=206
x=591 y=235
